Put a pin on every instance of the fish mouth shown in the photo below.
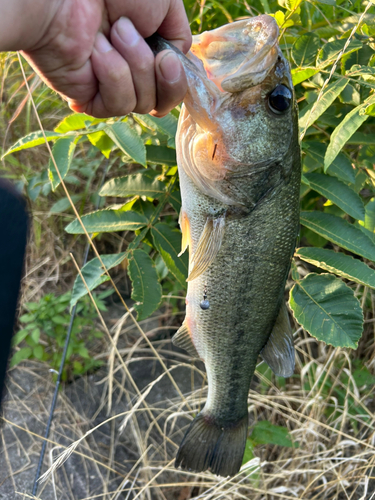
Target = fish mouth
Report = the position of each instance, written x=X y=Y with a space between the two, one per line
x=238 y=55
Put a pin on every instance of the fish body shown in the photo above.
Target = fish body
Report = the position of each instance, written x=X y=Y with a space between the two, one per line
x=239 y=165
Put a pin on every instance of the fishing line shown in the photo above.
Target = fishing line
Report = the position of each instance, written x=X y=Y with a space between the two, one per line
x=67 y=340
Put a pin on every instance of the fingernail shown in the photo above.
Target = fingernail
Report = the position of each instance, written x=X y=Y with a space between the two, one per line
x=127 y=32
x=102 y=44
x=170 y=67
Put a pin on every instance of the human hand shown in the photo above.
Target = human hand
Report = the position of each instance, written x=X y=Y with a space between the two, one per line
x=108 y=78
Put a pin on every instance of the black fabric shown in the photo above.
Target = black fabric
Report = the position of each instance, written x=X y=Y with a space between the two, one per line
x=13 y=236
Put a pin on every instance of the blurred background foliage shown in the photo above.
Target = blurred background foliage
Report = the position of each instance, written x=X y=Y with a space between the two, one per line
x=330 y=45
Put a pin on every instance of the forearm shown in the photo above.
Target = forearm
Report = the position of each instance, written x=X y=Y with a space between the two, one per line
x=24 y=22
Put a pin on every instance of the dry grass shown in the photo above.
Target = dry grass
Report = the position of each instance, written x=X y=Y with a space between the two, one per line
x=132 y=450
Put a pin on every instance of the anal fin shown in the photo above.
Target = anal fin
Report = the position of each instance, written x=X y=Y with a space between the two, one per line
x=183 y=340
x=279 y=352
x=208 y=246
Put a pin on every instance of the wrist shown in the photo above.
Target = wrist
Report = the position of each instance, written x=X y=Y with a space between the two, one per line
x=24 y=22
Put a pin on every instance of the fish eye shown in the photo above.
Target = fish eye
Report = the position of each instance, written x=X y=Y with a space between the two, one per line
x=280 y=99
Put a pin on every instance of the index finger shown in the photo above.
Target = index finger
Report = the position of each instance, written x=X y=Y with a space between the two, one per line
x=167 y=17
x=175 y=26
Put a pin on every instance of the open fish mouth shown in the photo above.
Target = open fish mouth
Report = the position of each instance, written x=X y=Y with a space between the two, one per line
x=238 y=55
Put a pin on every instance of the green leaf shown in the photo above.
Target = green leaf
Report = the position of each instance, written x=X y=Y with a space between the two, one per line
x=83 y=352
x=146 y=287
x=32 y=140
x=59 y=320
x=280 y=19
x=300 y=75
x=161 y=155
x=38 y=352
x=146 y=208
x=35 y=335
x=134 y=184
x=292 y=4
x=19 y=337
x=75 y=121
x=27 y=318
x=166 y=125
x=105 y=221
x=331 y=50
x=63 y=151
x=339 y=193
x=340 y=232
x=23 y=353
x=175 y=200
x=64 y=204
x=332 y=91
x=345 y=130
x=361 y=139
x=266 y=433
x=168 y=243
x=327 y=309
x=305 y=49
x=101 y=141
x=370 y=216
x=341 y=166
x=337 y=262
x=327 y=2
x=127 y=139
x=93 y=275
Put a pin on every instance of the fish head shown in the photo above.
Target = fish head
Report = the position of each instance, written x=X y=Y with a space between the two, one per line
x=243 y=108
x=240 y=54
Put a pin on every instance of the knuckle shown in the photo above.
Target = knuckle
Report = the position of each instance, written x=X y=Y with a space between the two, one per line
x=119 y=109
x=144 y=107
x=144 y=65
x=117 y=77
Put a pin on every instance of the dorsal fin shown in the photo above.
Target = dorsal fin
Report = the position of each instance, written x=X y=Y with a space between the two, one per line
x=208 y=246
x=183 y=340
x=279 y=352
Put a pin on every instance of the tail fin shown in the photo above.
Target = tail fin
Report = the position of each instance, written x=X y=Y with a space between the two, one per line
x=207 y=445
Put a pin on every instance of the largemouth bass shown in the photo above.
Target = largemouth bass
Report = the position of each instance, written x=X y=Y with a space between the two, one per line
x=239 y=165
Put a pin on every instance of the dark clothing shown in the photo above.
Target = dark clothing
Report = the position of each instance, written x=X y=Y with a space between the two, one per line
x=13 y=236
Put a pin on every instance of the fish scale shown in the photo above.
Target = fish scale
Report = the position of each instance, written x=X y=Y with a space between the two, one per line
x=242 y=302
x=239 y=165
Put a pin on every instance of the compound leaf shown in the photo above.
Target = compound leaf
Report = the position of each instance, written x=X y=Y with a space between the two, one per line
x=327 y=308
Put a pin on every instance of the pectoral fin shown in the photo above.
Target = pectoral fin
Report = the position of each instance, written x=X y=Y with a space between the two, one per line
x=208 y=246
x=279 y=353
x=183 y=340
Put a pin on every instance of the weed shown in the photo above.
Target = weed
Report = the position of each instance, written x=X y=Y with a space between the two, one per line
x=44 y=332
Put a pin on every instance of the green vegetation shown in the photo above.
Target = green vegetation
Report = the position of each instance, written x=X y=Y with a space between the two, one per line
x=331 y=51
x=44 y=331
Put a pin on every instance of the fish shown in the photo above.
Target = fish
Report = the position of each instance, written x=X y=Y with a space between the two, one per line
x=239 y=165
